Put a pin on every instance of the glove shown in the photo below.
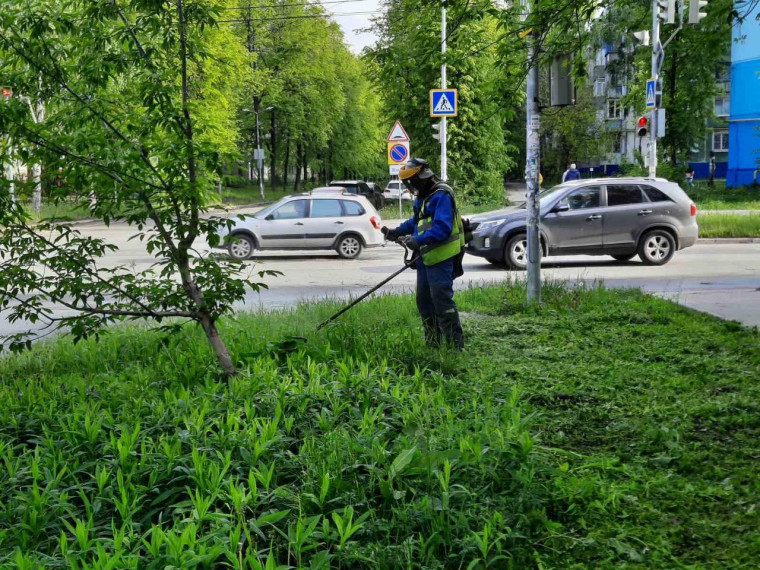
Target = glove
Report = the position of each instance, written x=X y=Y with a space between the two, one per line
x=410 y=242
x=390 y=235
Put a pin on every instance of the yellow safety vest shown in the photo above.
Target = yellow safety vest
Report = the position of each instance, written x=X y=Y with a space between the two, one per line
x=441 y=251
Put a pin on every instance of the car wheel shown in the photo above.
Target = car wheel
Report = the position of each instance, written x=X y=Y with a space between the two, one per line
x=657 y=247
x=241 y=247
x=349 y=247
x=516 y=252
x=494 y=261
x=627 y=257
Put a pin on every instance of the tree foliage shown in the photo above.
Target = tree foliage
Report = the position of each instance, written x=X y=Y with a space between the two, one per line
x=136 y=114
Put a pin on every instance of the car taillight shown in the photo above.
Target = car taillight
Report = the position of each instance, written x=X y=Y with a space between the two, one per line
x=375 y=221
x=693 y=210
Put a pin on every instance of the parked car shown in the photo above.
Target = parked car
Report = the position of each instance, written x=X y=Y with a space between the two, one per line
x=361 y=188
x=394 y=188
x=620 y=217
x=326 y=218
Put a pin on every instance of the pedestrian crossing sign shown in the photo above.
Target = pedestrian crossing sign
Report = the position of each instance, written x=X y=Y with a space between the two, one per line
x=651 y=97
x=444 y=102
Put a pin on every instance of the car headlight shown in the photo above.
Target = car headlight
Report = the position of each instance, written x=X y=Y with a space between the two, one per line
x=489 y=224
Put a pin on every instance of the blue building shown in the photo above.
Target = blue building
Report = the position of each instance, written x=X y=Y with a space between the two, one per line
x=744 y=122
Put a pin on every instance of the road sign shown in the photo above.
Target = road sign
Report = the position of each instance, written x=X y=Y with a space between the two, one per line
x=398 y=152
x=398 y=134
x=651 y=93
x=444 y=103
x=394 y=169
x=258 y=154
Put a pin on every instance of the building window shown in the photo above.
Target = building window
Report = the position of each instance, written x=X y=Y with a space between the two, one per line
x=617 y=143
x=722 y=106
x=720 y=141
x=599 y=85
x=613 y=109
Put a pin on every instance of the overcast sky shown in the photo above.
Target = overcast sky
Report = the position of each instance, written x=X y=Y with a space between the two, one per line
x=353 y=22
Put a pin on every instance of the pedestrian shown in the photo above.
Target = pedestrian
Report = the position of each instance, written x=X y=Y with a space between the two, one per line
x=564 y=174
x=712 y=169
x=572 y=174
x=436 y=232
x=690 y=177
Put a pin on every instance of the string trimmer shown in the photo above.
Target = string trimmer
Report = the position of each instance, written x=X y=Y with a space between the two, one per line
x=292 y=343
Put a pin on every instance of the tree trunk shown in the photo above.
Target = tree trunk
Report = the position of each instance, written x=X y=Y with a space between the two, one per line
x=217 y=345
x=37 y=195
x=286 y=163
x=328 y=162
x=299 y=154
x=273 y=151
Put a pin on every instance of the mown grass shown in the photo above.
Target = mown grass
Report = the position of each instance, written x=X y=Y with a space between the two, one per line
x=729 y=225
x=606 y=429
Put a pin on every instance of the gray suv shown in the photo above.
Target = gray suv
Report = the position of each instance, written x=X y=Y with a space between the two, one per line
x=620 y=217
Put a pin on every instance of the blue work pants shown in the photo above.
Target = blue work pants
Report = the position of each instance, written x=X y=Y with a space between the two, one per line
x=435 y=303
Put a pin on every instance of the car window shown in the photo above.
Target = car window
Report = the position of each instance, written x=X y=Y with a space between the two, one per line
x=291 y=210
x=655 y=195
x=583 y=198
x=351 y=188
x=622 y=194
x=352 y=208
x=364 y=189
x=325 y=209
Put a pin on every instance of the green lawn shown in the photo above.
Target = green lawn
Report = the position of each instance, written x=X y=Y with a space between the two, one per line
x=729 y=225
x=721 y=198
x=605 y=430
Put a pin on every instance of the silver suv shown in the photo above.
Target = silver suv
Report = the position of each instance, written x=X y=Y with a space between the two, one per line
x=620 y=217
x=327 y=218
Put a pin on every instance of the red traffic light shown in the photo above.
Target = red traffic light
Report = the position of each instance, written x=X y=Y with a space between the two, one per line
x=642 y=130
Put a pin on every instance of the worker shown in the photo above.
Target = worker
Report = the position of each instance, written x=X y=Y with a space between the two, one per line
x=437 y=234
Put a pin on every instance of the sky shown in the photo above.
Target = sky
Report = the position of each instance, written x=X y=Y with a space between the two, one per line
x=344 y=12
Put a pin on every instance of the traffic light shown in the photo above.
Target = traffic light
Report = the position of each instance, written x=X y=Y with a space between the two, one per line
x=695 y=15
x=643 y=126
x=666 y=10
x=642 y=38
x=437 y=129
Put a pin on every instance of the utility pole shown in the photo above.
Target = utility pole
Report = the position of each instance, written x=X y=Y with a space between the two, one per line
x=533 y=156
x=657 y=55
x=442 y=132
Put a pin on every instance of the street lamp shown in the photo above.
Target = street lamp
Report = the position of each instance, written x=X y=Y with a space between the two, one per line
x=259 y=155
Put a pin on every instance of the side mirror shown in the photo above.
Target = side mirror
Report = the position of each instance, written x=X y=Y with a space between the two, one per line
x=561 y=207
x=270 y=217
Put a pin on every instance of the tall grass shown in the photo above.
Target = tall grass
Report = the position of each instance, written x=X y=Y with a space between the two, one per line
x=590 y=432
x=729 y=225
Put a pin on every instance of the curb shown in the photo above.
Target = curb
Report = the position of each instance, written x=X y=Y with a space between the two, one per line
x=727 y=241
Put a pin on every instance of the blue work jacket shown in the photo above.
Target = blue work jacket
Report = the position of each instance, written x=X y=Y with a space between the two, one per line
x=441 y=207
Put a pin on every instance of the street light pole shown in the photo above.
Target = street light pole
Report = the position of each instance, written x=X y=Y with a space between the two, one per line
x=259 y=157
x=442 y=131
x=533 y=155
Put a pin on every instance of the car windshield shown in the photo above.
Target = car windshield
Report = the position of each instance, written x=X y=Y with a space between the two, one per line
x=261 y=214
x=546 y=196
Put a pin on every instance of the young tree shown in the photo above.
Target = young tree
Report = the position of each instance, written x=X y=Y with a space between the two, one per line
x=130 y=122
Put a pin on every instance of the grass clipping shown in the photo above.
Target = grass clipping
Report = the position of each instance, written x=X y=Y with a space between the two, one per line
x=606 y=429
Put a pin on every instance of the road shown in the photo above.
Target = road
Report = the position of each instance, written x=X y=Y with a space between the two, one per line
x=718 y=278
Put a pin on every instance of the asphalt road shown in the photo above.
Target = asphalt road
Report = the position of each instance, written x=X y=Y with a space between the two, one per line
x=718 y=278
